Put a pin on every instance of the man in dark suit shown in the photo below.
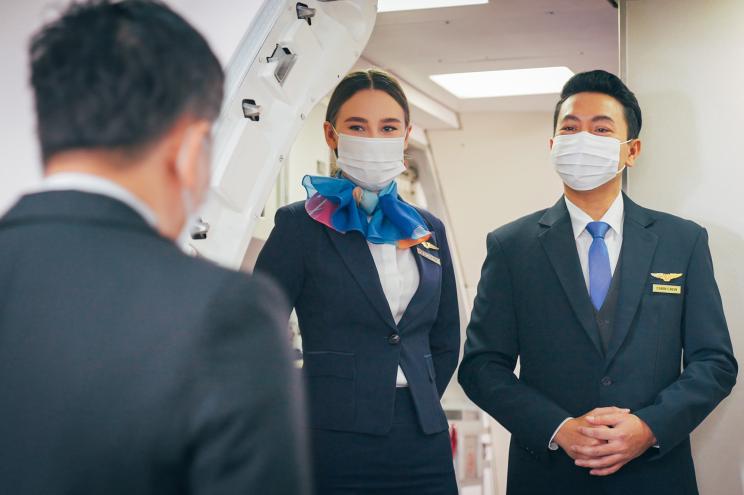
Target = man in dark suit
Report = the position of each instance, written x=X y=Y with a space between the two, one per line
x=601 y=300
x=125 y=366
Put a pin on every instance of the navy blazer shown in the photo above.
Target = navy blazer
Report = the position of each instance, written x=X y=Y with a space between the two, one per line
x=351 y=344
x=533 y=303
x=128 y=367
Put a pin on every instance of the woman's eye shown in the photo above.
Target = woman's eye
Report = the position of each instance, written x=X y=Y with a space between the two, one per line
x=389 y=128
x=356 y=128
x=568 y=128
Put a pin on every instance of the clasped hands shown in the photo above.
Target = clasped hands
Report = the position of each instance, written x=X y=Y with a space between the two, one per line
x=605 y=439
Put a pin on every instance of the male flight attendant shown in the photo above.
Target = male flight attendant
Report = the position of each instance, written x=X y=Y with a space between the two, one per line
x=601 y=300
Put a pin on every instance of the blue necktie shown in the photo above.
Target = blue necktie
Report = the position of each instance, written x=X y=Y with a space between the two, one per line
x=600 y=275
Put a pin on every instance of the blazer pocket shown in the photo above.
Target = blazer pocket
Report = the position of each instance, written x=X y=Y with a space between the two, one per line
x=331 y=380
x=430 y=366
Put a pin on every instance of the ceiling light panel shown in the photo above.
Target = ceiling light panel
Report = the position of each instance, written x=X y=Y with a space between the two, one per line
x=398 y=5
x=491 y=84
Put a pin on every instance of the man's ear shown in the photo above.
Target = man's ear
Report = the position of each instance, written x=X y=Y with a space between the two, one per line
x=191 y=150
x=634 y=150
x=550 y=144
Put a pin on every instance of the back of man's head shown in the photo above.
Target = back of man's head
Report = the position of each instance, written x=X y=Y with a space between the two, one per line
x=116 y=76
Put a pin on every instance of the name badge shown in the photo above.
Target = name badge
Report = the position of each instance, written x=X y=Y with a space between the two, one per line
x=667 y=289
x=428 y=256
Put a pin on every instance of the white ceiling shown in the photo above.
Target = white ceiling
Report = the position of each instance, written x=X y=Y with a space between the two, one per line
x=505 y=34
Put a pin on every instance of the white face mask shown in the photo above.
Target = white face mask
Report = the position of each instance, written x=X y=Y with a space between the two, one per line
x=192 y=211
x=192 y=208
x=586 y=161
x=371 y=163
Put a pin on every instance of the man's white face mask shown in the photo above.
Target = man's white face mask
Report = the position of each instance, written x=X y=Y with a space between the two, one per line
x=193 y=200
x=586 y=161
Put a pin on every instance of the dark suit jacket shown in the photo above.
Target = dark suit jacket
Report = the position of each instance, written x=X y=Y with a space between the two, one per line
x=533 y=304
x=127 y=367
x=351 y=343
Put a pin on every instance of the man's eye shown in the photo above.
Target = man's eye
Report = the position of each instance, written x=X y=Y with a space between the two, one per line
x=568 y=128
x=603 y=130
x=389 y=128
x=356 y=128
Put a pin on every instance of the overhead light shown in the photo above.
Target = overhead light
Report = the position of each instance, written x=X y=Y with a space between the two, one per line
x=497 y=83
x=396 y=5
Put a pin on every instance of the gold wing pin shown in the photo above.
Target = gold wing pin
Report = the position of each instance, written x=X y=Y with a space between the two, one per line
x=429 y=245
x=666 y=277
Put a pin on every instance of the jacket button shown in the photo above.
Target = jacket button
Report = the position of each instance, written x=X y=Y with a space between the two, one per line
x=394 y=339
x=606 y=381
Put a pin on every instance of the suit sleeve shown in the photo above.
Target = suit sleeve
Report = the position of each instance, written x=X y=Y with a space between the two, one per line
x=282 y=256
x=444 y=338
x=709 y=365
x=247 y=430
x=491 y=352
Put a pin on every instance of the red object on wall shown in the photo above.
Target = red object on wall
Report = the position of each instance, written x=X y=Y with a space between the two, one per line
x=453 y=440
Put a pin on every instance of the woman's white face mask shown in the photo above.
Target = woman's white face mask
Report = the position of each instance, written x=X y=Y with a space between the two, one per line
x=371 y=163
x=586 y=161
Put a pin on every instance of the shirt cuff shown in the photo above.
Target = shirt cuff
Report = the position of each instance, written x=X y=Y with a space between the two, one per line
x=552 y=445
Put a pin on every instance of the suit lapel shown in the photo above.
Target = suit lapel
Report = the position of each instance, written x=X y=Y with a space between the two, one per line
x=430 y=279
x=560 y=246
x=353 y=249
x=639 y=245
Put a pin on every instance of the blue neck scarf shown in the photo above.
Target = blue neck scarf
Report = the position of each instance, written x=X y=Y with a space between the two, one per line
x=382 y=218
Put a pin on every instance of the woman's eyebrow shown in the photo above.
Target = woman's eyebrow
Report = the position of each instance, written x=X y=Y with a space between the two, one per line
x=357 y=119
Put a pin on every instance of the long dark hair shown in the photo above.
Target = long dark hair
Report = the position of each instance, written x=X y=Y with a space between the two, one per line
x=366 y=79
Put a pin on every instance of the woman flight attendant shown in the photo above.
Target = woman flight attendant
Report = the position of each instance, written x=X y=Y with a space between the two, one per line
x=372 y=282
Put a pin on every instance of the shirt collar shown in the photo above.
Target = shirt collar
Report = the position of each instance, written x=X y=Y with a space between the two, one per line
x=613 y=217
x=89 y=183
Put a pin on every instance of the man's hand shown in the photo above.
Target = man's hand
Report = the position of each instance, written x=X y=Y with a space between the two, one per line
x=570 y=433
x=623 y=437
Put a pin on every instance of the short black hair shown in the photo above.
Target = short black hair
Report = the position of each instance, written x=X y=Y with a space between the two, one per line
x=600 y=81
x=116 y=75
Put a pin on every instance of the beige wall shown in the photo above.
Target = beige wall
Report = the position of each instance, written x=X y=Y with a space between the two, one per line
x=493 y=170
x=20 y=167
x=309 y=149
x=685 y=64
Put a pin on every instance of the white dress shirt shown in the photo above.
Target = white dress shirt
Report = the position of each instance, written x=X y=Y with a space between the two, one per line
x=400 y=279
x=614 y=217
x=613 y=238
x=89 y=183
